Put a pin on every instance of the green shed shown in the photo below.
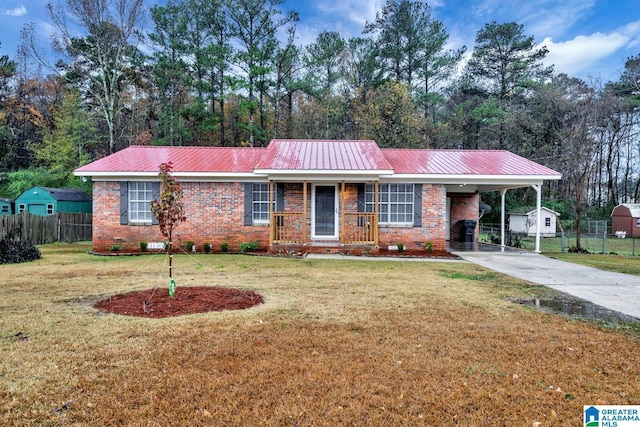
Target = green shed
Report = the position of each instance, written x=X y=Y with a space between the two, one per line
x=48 y=201
x=6 y=206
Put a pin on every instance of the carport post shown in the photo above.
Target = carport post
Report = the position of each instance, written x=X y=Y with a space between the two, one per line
x=538 y=189
x=503 y=191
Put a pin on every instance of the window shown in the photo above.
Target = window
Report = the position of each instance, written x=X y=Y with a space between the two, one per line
x=395 y=205
x=140 y=196
x=260 y=203
x=547 y=222
x=21 y=208
x=256 y=202
x=5 y=209
x=49 y=208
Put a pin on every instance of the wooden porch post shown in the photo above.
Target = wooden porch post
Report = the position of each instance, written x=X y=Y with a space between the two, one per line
x=342 y=187
x=272 y=223
x=376 y=211
x=304 y=210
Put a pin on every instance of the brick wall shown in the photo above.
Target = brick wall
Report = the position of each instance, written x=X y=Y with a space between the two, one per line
x=463 y=206
x=434 y=223
x=215 y=214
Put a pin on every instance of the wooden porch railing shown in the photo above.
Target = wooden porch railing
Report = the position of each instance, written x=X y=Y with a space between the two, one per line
x=359 y=228
x=287 y=227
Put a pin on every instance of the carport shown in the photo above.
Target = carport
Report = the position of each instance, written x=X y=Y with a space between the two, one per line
x=481 y=177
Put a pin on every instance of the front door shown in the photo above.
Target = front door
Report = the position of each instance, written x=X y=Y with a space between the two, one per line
x=325 y=212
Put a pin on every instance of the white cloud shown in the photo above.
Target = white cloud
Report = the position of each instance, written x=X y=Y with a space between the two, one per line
x=579 y=55
x=358 y=12
x=598 y=51
x=552 y=18
x=17 y=11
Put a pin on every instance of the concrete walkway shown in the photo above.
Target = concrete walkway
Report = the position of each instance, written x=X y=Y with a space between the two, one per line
x=614 y=291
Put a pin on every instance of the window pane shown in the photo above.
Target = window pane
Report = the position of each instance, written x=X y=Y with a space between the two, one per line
x=260 y=193
x=140 y=195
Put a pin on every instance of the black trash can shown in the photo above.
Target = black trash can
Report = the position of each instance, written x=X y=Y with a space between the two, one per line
x=467 y=230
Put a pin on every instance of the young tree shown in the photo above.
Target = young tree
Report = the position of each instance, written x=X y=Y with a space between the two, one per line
x=169 y=211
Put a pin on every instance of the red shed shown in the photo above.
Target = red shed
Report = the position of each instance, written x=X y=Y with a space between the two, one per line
x=626 y=218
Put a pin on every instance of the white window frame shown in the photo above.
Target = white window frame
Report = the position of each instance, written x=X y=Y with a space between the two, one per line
x=395 y=203
x=22 y=207
x=140 y=202
x=547 y=221
x=260 y=203
x=50 y=209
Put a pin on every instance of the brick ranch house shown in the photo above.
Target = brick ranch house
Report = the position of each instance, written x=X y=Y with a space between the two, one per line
x=303 y=194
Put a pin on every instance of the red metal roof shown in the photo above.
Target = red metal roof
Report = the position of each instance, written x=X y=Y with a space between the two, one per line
x=318 y=155
x=463 y=162
x=322 y=155
x=184 y=159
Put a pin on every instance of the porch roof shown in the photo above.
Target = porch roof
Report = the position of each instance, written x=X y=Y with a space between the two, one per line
x=323 y=157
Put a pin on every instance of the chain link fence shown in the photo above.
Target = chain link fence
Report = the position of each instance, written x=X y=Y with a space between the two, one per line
x=595 y=237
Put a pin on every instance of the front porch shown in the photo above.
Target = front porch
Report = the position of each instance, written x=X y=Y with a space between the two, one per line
x=330 y=218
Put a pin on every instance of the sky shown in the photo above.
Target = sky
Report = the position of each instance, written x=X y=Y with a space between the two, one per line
x=589 y=39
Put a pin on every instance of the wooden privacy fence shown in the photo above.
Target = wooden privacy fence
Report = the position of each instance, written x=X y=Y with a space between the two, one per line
x=61 y=227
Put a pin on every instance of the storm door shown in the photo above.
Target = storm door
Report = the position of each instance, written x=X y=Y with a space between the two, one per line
x=325 y=212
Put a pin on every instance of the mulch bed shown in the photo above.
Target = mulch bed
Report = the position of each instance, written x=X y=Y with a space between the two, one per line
x=412 y=253
x=156 y=303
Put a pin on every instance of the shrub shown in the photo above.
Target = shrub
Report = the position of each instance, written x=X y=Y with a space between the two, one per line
x=143 y=246
x=249 y=247
x=206 y=247
x=578 y=250
x=400 y=247
x=115 y=248
x=189 y=245
x=428 y=245
x=12 y=251
x=224 y=247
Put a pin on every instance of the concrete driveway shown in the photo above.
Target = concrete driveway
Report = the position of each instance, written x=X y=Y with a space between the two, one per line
x=614 y=291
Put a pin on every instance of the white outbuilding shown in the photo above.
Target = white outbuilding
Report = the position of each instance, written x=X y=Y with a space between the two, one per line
x=523 y=221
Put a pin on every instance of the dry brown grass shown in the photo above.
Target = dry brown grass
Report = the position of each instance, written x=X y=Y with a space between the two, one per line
x=364 y=343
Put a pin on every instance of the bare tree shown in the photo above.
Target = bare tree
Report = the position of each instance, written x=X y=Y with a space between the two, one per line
x=100 y=42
